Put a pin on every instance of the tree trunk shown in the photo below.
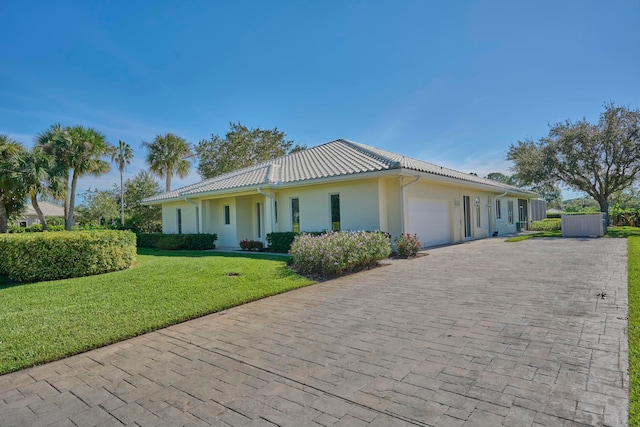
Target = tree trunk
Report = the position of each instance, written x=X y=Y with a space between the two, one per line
x=168 y=182
x=3 y=217
x=36 y=207
x=121 y=201
x=72 y=202
x=604 y=208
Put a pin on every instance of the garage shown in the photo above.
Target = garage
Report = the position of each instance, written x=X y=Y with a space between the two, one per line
x=430 y=220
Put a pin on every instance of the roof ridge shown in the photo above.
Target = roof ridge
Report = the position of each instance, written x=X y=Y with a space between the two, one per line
x=369 y=151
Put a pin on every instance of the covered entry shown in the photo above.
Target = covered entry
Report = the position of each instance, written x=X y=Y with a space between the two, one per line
x=430 y=220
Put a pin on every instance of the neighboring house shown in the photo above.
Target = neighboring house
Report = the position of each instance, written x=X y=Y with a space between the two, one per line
x=344 y=185
x=30 y=216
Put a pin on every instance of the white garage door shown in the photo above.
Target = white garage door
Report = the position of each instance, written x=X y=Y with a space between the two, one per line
x=430 y=220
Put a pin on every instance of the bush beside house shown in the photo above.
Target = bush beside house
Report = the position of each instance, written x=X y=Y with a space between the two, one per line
x=337 y=253
x=193 y=242
x=33 y=257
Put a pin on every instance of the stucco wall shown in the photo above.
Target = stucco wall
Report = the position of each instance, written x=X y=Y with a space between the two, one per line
x=441 y=192
x=359 y=207
x=170 y=218
x=503 y=224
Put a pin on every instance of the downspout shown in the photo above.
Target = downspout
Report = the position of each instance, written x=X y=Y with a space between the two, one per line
x=402 y=186
x=188 y=200
x=273 y=213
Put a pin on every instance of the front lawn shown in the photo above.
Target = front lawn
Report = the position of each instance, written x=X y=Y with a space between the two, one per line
x=45 y=321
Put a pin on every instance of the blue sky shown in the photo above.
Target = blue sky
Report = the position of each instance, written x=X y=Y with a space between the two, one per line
x=453 y=83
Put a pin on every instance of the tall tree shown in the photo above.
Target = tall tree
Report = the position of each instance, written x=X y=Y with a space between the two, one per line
x=34 y=170
x=122 y=156
x=99 y=207
x=78 y=152
x=168 y=155
x=599 y=159
x=241 y=147
x=142 y=217
x=11 y=191
x=56 y=142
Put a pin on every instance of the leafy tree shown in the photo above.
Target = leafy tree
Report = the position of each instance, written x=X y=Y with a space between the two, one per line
x=599 y=159
x=581 y=204
x=241 y=147
x=99 y=207
x=141 y=217
x=34 y=170
x=168 y=155
x=122 y=156
x=549 y=192
x=12 y=193
x=78 y=152
x=500 y=177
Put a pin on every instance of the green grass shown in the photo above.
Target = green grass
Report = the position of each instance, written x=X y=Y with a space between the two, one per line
x=45 y=321
x=633 y=247
x=623 y=231
x=555 y=233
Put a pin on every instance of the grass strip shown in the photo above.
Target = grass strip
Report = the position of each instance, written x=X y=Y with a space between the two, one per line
x=45 y=321
x=555 y=233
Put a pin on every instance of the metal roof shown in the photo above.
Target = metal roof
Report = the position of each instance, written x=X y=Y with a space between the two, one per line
x=332 y=159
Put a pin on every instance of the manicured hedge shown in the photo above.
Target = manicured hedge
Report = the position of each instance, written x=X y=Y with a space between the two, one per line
x=177 y=241
x=31 y=257
x=281 y=241
x=549 y=224
x=338 y=253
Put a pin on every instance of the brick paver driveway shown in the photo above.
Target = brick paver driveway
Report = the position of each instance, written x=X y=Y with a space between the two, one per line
x=481 y=334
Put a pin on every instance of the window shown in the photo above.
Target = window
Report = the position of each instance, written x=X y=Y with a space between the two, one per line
x=227 y=214
x=478 y=218
x=179 y=217
x=335 y=212
x=498 y=210
x=197 y=220
x=510 y=211
x=258 y=220
x=275 y=210
x=295 y=214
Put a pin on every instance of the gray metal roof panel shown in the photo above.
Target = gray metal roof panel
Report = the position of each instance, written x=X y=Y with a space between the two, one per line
x=335 y=158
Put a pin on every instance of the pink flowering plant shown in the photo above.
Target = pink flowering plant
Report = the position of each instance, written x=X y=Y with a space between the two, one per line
x=407 y=245
x=338 y=253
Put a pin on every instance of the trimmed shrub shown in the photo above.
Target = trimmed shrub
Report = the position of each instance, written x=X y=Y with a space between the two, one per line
x=554 y=215
x=34 y=228
x=337 y=253
x=50 y=256
x=407 y=245
x=281 y=241
x=549 y=224
x=251 y=245
x=174 y=242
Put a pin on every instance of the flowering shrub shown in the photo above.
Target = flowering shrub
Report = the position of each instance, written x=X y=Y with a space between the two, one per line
x=407 y=245
x=338 y=253
x=251 y=245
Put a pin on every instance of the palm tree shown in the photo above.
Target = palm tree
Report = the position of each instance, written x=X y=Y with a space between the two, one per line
x=35 y=171
x=122 y=155
x=56 y=142
x=78 y=152
x=168 y=155
x=11 y=191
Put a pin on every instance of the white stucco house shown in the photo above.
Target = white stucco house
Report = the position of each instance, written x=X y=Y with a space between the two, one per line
x=344 y=185
x=30 y=216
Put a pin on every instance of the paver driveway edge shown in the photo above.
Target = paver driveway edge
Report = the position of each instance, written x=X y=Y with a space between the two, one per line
x=481 y=334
